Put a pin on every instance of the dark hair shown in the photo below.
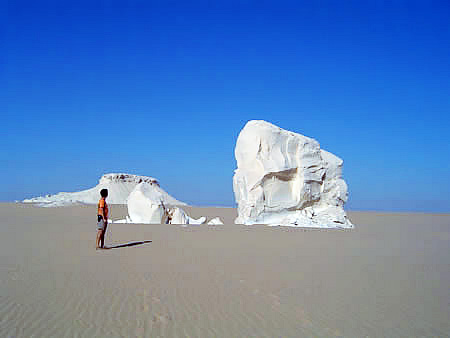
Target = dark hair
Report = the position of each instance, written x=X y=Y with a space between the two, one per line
x=104 y=192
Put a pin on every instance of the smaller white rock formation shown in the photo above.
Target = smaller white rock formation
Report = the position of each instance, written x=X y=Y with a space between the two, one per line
x=125 y=220
x=146 y=205
x=119 y=187
x=177 y=215
x=215 y=221
x=284 y=178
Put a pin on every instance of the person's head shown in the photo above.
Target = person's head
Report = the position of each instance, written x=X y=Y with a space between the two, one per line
x=104 y=193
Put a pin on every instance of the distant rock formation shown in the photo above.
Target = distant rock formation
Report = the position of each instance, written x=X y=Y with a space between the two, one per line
x=119 y=188
x=284 y=178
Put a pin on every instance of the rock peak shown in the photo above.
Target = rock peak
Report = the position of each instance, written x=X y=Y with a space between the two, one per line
x=127 y=178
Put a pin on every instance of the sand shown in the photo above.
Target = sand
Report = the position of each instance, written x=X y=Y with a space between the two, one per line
x=389 y=277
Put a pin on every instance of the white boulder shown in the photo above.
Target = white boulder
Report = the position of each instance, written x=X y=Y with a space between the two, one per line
x=178 y=216
x=215 y=221
x=284 y=178
x=146 y=205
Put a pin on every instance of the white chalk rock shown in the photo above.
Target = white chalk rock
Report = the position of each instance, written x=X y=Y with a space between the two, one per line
x=284 y=178
x=215 y=221
x=119 y=187
x=146 y=205
x=179 y=216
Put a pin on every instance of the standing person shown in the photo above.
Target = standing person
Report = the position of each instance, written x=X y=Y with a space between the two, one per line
x=102 y=219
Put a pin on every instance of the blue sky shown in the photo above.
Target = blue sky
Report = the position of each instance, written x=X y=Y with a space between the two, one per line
x=162 y=88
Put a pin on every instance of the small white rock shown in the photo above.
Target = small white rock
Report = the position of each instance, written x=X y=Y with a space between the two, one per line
x=215 y=221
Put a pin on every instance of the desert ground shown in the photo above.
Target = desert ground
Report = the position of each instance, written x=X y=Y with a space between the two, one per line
x=390 y=276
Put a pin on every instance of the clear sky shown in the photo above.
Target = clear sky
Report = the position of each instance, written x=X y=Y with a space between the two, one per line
x=162 y=88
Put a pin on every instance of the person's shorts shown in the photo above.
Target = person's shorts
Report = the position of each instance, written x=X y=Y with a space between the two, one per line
x=101 y=224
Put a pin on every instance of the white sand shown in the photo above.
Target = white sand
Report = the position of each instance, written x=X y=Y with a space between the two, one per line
x=389 y=277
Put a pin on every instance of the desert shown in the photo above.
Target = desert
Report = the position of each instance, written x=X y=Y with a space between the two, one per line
x=225 y=169
x=388 y=276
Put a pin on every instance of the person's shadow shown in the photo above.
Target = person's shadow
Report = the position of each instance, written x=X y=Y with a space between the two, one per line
x=126 y=245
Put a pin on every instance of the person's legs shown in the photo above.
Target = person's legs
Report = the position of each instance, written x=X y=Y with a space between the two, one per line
x=103 y=236
x=99 y=237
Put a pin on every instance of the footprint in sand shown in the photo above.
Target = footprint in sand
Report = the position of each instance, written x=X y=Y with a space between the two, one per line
x=15 y=275
x=140 y=332
x=302 y=317
x=275 y=300
x=161 y=319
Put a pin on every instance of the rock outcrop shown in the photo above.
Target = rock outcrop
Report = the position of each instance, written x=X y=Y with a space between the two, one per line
x=179 y=216
x=148 y=206
x=215 y=221
x=119 y=187
x=284 y=178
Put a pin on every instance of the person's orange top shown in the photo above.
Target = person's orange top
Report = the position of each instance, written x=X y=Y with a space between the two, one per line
x=102 y=205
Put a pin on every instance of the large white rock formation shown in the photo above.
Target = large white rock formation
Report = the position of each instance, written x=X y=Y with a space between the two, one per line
x=119 y=187
x=284 y=178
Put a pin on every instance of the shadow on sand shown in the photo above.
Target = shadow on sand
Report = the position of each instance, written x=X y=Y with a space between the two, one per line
x=126 y=245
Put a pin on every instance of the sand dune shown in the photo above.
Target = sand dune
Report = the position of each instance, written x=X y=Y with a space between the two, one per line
x=389 y=276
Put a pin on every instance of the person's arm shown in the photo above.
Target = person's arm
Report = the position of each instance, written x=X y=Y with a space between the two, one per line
x=105 y=216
